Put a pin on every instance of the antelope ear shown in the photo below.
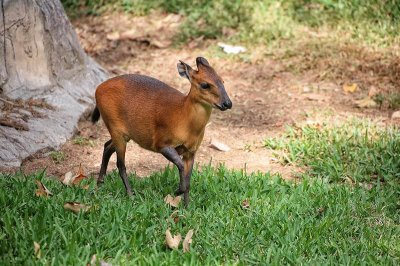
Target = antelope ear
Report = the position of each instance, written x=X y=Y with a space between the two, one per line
x=184 y=70
x=201 y=61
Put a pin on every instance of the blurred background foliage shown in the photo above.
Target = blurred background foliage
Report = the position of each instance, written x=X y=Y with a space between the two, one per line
x=261 y=21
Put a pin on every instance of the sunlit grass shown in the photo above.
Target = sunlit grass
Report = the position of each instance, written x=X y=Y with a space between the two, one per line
x=312 y=222
x=356 y=150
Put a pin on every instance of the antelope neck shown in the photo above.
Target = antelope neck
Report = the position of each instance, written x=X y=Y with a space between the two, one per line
x=197 y=111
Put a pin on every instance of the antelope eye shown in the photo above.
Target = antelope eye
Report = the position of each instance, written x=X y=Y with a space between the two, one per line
x=204 y=85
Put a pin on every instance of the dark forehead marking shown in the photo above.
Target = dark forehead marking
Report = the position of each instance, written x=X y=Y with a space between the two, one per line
x=210 y=72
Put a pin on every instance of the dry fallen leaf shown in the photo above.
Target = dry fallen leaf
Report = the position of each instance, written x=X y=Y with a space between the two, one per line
x=131 y=35
x=93 y=260
x=175 y=216
x=79 y=177
x=367 y=102
x=373 y=92
x=316 y=97
x=42 y=190
x=104 y=263
x=113 y=36
x=161 y=43
x=187 y=241
x=218 y=145
x=396 y=115
x=173 y=202
x=350 y=87
x=36 y=247
x=172 y=241
x=246 y=204
x=68 y=178
x=76 y=207
x=368 y=186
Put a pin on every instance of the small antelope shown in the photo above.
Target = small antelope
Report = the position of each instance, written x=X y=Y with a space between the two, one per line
x=159 y=118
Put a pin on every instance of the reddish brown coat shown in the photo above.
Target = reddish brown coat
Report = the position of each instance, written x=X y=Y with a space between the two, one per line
x=158 y=117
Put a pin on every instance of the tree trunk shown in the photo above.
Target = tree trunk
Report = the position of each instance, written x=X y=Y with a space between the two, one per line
x=46 y=80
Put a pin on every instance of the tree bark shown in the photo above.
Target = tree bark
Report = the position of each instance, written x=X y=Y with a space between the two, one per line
x=46 y=80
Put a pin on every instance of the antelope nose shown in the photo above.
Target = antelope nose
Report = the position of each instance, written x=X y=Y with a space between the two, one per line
x=227 y=104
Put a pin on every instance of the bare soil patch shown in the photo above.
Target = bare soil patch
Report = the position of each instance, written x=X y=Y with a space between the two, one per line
x=267 y=94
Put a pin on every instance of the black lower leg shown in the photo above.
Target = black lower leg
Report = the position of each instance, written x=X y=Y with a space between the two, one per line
x=172 y=155
x=124 y=177
x=109 y=149
x=182 y=184
x=189 y=165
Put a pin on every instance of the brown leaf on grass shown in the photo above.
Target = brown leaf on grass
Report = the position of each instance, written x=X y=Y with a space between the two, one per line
x=367 y=102
x=36 y=247
x=246 y=204
x=172 y=241
x=68 y=178
x=351 y=88
x=42 y=190
x=173 y=202
x=79 y=177
x=218 y=145
x=368 y=186
x=175 y=216
x=76 y=207
x=93 y=260
x=187 y=241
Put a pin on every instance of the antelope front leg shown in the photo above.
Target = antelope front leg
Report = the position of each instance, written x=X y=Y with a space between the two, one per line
x=172 y=155
x=184 y=185
x=184 y=166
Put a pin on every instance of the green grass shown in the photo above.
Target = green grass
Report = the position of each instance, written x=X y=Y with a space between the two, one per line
x=313 y=222
x=57 y=156
x=357 y=150
x=83 y=141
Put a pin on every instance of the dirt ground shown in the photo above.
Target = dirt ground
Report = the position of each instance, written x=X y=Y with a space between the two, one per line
x=266 y=92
